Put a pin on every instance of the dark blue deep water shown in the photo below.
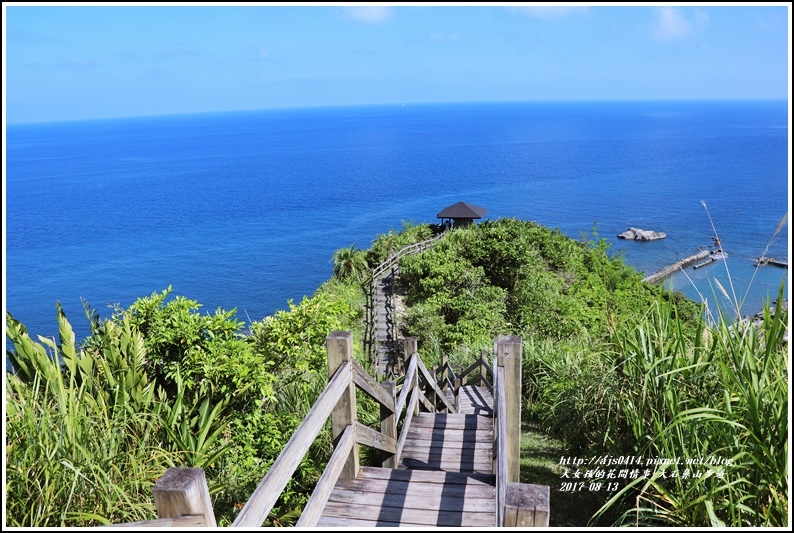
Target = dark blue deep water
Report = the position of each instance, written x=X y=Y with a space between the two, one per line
x=244 y=210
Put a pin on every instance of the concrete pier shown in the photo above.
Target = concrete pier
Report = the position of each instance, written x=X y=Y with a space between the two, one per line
x=783 y=263
x=662 y=273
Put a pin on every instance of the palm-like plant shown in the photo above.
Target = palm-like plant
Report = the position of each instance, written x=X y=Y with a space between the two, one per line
x=350 y=263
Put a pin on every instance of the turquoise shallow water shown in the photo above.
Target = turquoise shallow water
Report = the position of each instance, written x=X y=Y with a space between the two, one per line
x=245 y=209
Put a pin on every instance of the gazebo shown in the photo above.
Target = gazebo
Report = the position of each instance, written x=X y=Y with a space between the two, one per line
x=461 y=214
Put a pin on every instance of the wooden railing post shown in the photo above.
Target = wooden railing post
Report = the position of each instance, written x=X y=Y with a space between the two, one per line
x=410 y=347
x=508 y=352
x=183 y=492
x=339 y=346
x=526 y=505
x=388 y=422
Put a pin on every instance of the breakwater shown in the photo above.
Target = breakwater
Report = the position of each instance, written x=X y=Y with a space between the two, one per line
x=783 y=263
x=663 y=272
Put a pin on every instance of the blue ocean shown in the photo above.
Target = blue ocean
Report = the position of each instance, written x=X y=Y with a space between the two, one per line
x=244 y=210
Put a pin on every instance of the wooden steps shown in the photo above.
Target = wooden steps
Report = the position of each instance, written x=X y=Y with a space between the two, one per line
x=452 y=443
x=382 y=497
x=445 y=476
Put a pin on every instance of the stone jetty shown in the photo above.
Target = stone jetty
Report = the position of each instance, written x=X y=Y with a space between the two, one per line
x=683 y=263
x=783 y=263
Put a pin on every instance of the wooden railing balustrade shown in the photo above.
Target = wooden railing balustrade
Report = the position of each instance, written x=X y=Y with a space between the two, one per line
x=517 y=504
x=182 y=497
x=377 y=273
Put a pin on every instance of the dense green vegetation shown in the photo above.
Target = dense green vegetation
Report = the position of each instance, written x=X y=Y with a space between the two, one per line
x=612 y=367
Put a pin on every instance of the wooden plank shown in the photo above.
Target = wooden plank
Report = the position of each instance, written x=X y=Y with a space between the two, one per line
x=459 y=422
x=440 y=500
x=482 y=468
x=412 y=494
x=269 y=489
x=325 y=485
x=373 y=389
x=347 y=523
x=484 y=446
x=476 y=396
x=388 y=424
x=450 y=436
x=407 y=424
x=432 y=384
x=407 y=386
x=417 y=517
x=424 y=476
x=375 y=439
x=482 y=453
x=182 y=521
x=501 y=446
x=463 y=461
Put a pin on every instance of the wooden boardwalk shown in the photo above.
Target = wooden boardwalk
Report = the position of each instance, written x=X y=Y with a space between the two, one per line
x=455 y=464
x=445 y=476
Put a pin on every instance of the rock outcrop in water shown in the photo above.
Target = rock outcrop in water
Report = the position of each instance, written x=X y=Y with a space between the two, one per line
x=636 y=234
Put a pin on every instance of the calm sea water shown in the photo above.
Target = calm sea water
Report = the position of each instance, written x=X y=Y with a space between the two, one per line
x=244 y=210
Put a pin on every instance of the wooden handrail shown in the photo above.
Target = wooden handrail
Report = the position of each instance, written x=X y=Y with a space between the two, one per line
x=269 y=489
x=325 y=485
x=500 y=412
x=392 y=259
x=431 y=382
x=182 y=497
x=366 y=383
x=332 y=400
x=409 y=377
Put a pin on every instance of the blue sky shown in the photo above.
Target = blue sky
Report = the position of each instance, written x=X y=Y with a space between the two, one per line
x=86 y=62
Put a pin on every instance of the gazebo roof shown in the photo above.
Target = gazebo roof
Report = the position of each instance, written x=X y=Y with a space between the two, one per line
x=462 y=210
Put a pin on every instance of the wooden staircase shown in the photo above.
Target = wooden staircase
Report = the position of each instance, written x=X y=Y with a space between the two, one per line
x=445 y=476
x=451 y=445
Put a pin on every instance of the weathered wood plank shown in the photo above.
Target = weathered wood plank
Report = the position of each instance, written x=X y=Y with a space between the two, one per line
x=419 y=464
x=388 y=424
x=325 y=485
x=439 y=394
x=371 y=387
x=481 y=453
x=465 y=446
x=475 y=400
x=410 y=494
x=190 y=521
x=409 y=416
x=269 y=489
x=417 y=517
x=454 y=422
x=450 y=436
x=376 y=501
x=407 y=386
x=424 y=476
x=347 y=523
x=375 y=439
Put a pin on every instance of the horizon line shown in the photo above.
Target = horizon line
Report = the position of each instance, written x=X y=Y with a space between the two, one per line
x=394 y=104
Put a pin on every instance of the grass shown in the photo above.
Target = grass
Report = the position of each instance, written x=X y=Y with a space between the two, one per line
x=540 y=465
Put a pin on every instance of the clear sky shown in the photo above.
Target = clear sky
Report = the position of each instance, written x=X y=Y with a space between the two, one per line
x=85 y=62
